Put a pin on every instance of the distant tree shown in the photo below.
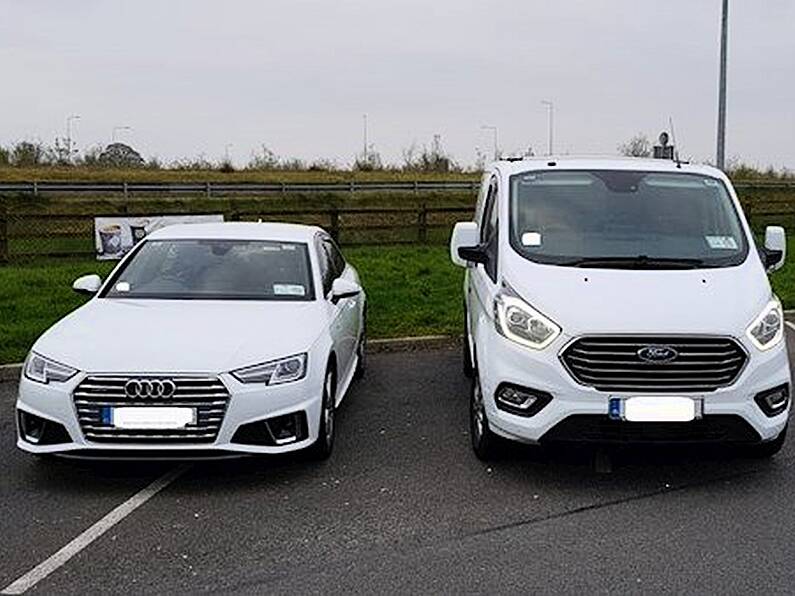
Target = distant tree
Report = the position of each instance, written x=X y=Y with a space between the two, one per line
x=28 y=154
x=90 y=157
x=637 y=146
x=368 y=161
x=154 y=163
x=264 y=160
x=5 y=157
x=428 y=160
x=119 y=155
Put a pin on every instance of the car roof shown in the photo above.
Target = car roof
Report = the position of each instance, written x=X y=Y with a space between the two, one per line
x=279 y=232
x=567 y=162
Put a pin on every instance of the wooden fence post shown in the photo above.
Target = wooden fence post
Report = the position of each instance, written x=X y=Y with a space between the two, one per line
x=208 y=189
x=3 y=233
x=334 y=216
x=422 y=224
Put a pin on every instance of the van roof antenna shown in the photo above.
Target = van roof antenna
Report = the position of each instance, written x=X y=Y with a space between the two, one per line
x=676 y=146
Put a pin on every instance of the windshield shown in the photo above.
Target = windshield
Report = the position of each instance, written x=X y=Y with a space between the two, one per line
x=625 y=219
x=215 y=270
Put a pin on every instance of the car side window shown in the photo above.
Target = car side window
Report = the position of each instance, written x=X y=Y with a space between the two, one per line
x=335 y=256
x=327 y=274
x=488 y=230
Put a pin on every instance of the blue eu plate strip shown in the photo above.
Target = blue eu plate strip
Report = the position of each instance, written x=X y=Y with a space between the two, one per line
x=105 y=415
x=614 y=408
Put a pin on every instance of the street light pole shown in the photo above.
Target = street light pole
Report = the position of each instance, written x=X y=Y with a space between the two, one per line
x=117 y=128
x=69 y=136
x=227 y=147
x=551 y=125
x=493 y=129
x=720 y=160
x=364 y=153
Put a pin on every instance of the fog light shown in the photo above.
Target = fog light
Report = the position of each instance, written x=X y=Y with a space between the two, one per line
x=289 y=428
x=521 y=400
x=773 y=401
x=31 y=427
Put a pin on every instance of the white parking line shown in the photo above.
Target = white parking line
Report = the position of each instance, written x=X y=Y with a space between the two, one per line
x=46 y=567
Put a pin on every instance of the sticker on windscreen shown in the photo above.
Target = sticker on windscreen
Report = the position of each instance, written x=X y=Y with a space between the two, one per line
x=531 y=239
x=289 y=290
x=123 y=286
x=721 y=242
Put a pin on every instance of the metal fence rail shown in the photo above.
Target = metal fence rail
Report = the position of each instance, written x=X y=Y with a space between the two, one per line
x=225 y=188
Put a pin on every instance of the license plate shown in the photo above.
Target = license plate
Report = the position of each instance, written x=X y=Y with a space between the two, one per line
x=654 y=408
x=143 y=417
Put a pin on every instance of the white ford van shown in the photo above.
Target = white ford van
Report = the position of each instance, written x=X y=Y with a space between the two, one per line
x=620 y=301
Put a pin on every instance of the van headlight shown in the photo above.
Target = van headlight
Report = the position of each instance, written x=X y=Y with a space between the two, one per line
x=43 y=370
x=520 y=322
x=768 y=328
x=274 y=372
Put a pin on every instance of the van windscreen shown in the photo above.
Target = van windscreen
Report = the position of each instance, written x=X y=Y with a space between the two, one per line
x=625 y=219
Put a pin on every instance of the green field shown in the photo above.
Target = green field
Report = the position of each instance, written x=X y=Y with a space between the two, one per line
x=412 y=291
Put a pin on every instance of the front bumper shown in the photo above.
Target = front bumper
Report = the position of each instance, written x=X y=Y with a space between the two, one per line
x=248 y=403
x=542 y=370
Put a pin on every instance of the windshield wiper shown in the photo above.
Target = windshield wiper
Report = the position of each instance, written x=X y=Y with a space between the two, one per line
x=636 y=262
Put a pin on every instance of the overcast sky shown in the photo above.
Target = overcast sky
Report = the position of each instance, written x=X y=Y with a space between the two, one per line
x=191 y=76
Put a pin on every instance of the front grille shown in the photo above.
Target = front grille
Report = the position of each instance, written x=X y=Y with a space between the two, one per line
x=208 y=395
x=613 y=363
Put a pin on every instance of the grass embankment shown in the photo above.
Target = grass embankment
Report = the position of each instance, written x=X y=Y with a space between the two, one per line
x=411 y=290
x=83 y=174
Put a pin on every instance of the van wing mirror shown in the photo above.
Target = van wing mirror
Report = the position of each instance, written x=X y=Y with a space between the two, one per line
x=775 y=249
x=88 y=284
x=465 y=244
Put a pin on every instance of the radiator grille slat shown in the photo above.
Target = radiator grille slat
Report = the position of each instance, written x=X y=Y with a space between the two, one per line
x=613 y=363
x=208 y=395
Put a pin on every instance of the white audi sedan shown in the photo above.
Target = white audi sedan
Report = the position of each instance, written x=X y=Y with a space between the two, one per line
x=206 y=339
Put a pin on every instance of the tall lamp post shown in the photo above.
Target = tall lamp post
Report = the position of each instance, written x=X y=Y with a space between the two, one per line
x=493 y=130
x=69 y=136
x=364 y=135
x=551 y=124
x=720 y=159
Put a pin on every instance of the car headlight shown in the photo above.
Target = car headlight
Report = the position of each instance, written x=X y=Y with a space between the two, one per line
x=768 y=328
x=284 y=370
x=520 y=322
x=43 y=370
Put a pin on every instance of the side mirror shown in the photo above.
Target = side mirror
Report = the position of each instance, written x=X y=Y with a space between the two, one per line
x=775 y=251
x=88 y=284
x=464 y=244
x=343 y=288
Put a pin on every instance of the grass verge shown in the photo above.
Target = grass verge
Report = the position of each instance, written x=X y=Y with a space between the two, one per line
x=412 y=291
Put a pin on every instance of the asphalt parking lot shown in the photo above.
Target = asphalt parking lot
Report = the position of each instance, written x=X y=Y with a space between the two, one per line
x=404 y=506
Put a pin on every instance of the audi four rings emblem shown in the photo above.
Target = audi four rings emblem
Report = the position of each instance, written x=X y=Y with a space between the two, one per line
x=150 y=388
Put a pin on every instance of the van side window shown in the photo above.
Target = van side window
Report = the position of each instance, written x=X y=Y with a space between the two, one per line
x=488 y=230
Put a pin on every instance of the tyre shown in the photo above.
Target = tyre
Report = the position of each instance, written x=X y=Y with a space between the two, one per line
x=321 y=449
x=361 y=351
x=467 y=353
x=484 y=441
x=768 y=448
